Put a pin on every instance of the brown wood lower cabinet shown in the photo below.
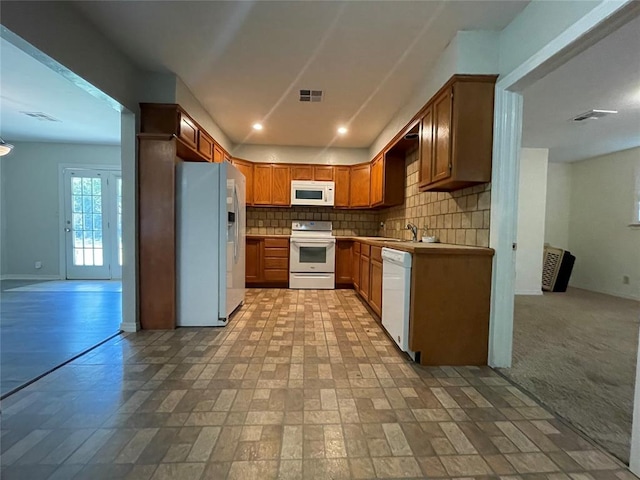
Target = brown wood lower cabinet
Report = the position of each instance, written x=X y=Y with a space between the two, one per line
x=267 y=261
x=344 y=263
x=450 y=298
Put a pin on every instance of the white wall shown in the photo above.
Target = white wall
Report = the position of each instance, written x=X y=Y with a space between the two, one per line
x=282 y=154
x=556 y=227
x=602 y=207
x=192 y=105
x=473 y=52
x=531 y=217
x=30 y=203
x=540 y=22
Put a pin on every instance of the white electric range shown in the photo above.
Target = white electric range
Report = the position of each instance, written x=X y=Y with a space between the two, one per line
x=313 y=255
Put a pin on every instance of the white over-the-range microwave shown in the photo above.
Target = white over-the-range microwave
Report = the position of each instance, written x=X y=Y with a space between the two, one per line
x=319 y=194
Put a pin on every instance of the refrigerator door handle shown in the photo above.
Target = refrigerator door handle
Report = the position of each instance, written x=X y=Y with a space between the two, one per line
x=236 y=209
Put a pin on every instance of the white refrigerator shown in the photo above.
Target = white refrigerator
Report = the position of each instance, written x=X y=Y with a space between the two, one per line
x=211 y=230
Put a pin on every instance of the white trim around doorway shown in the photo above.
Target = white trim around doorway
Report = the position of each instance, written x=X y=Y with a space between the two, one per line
x=61 y=206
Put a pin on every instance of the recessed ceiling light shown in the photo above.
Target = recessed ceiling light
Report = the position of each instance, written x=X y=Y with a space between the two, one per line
x=257 y=126
x=342 y=130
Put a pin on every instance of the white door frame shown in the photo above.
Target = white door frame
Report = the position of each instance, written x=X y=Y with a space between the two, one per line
x=605 y=18
x=62 y=207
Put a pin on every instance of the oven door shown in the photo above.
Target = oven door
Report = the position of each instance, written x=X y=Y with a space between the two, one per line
x=312 y=255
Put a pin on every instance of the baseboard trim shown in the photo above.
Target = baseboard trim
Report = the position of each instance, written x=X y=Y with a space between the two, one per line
x=529 y=292
x=129 y=327
x=608 y=292
x=26 y=276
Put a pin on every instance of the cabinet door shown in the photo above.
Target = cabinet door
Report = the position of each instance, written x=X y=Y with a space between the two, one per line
x=377 y=181
x=302 y=172
x=343 y=262
x=365 y=276
x=281 y=186
x=253 y=259
x=375 y=298
x=218 y=154
x=426 y=147
x=262 y=177
x=323 y=174
x=205 y=145
x=442 y=109
x=355 y=274
x=359 y=194
x=341 y=194
x=247 y=170
x=188 y=131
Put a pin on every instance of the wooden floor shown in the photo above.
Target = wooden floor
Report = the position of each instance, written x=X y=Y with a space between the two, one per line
x=44 y=324
x=299 y=385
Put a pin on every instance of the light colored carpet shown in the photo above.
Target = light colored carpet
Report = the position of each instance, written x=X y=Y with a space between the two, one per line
x=576 y=352
x=72 y=286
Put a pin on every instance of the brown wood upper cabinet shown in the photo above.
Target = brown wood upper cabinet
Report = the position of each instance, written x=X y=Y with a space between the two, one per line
x=271 y=184
x=281 y=187
x=205 y=145
x=187 y=130
x=194 y=145
x=387 y=179
x=246 y=168
x=301 y=172
x=218 y=154
x=360 y=186
x=323 y=173
x=341 y=176
x=457 y=134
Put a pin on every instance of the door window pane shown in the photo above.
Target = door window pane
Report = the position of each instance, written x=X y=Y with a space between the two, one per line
x=86 y=201
x=313 y=254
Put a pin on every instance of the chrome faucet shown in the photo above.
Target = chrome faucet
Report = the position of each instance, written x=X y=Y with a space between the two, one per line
x=414 y=231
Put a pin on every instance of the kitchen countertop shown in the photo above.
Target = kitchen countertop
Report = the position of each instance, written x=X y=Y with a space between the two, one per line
x=421 y=248
x=411 y=247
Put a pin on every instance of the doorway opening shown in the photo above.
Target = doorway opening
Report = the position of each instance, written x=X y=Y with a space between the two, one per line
x=60 y=284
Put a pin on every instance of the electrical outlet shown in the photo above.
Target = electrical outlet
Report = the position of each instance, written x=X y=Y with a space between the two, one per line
x=38 y=265
x=625 y=279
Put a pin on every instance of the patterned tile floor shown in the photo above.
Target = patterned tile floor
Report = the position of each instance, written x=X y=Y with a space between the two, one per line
x=302 y=384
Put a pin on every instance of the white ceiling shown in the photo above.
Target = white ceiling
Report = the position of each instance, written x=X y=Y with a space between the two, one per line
x=27 y=85
x=606 y=76
x=246 y=61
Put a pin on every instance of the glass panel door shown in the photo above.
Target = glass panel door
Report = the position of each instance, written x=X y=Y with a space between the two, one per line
x=89 y=245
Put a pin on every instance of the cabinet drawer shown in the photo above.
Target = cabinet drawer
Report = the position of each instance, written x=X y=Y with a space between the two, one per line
x=276 y=275
x=365 y=250
x=276 y=243
x=278 y=263
x=356 y=247
x=376 y=253
x=276 y=252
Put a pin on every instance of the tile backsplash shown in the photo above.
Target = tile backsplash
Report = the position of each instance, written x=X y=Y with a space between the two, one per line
x=277 y=221
x=460 y=217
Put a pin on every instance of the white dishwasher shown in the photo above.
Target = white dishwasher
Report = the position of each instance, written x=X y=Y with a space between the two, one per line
x=396 y=293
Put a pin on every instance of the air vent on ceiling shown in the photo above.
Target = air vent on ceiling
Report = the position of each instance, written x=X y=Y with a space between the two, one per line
x=43 y=117
x=593 y=115
x=310 y=95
